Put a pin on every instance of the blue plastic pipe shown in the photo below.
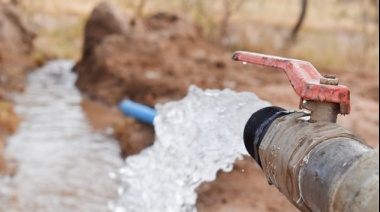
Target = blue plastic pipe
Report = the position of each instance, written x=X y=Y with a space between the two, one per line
x=138 y=111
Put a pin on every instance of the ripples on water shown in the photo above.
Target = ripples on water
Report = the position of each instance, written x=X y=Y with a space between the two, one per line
x=63 y=164
x=195 y=137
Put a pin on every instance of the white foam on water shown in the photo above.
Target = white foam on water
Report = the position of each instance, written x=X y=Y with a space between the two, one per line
x=195 y=137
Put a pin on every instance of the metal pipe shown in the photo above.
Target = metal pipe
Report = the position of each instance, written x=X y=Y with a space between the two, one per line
x=138 y=111
x=318 y=166
x=341 y=176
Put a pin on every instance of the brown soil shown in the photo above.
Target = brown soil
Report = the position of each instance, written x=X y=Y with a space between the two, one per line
x=16 y=40
x=155 y=60
x=16 y=45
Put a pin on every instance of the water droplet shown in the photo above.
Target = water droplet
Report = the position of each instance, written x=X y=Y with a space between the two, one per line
x=244 y=63
x=242 y=170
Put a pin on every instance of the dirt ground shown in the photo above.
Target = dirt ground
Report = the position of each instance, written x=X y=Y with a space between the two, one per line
x=16 y=44
x=156 y=59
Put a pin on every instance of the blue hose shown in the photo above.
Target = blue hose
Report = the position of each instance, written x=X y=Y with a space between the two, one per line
x=138 y=111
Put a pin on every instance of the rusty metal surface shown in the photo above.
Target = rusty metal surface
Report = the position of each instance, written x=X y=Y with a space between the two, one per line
x=322 y=111
x=362 y=179
x=304 y=78
x=286 y=150
x=341 y=175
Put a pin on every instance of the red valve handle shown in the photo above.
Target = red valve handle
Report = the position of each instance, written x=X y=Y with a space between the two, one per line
x=304 y=78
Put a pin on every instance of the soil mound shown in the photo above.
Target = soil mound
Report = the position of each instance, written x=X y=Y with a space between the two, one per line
x=16 y=45
x=145 y=59
x=105 y=20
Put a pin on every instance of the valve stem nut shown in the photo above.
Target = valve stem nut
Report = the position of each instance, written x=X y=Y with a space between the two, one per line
x=329 y=80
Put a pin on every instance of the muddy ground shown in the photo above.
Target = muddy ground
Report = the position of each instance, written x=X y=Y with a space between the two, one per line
x=154 y=60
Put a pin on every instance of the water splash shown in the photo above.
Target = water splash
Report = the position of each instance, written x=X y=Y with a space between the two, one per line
x=63 y=164
x=195 y=137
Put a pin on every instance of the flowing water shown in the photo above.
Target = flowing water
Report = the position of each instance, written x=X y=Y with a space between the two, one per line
x=65 y=166
x=195 y=137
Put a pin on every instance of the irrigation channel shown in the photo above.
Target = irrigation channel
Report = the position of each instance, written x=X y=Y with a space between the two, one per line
x=64 y=165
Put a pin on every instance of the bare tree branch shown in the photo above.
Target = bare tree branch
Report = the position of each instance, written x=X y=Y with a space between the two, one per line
x=229 y=7
x=301 y=18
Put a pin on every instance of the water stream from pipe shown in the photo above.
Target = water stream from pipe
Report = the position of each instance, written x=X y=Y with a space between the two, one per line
x=195 y=137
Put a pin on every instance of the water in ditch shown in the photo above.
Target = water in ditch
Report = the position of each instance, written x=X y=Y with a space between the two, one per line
x=195 y=137
x=62 y=164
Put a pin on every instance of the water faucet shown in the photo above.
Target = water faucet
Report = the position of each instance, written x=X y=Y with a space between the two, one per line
x=317 y=164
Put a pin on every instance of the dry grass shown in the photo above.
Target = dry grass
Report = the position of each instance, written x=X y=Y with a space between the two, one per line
x=335 y=35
